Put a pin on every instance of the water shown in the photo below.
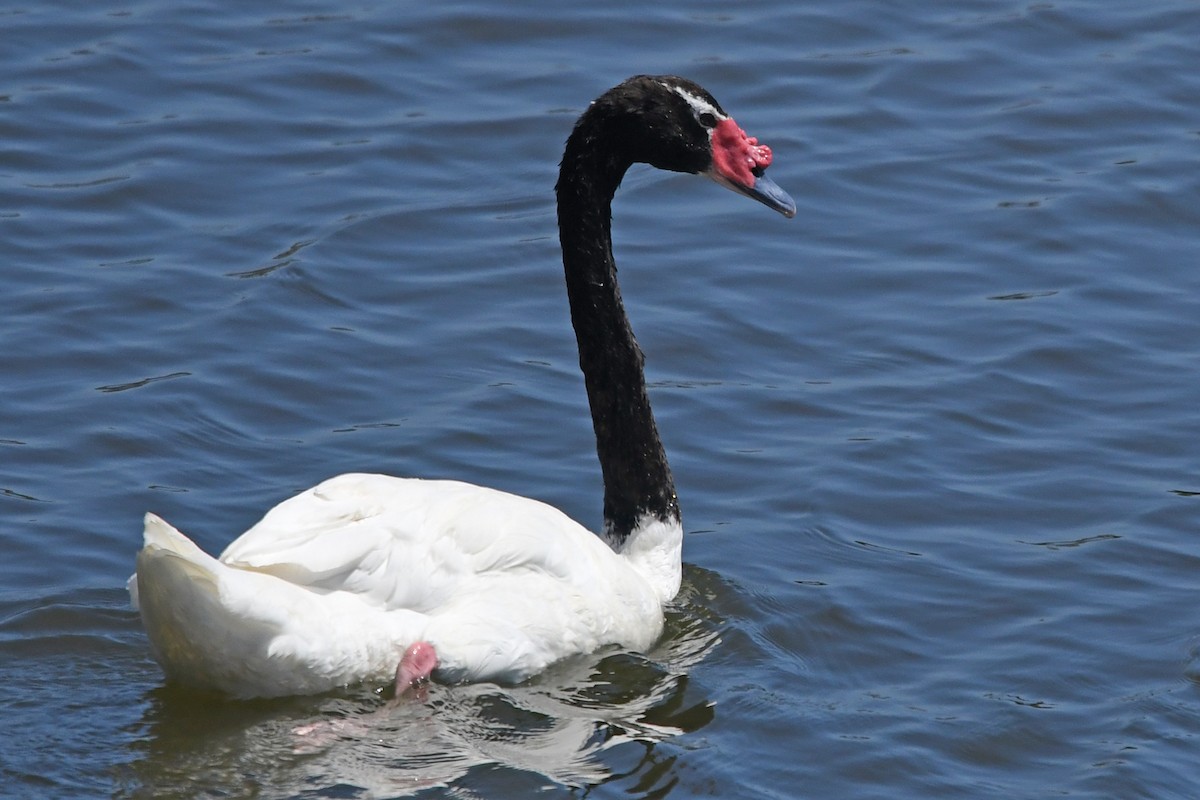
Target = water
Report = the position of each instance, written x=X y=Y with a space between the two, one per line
x=936 y=440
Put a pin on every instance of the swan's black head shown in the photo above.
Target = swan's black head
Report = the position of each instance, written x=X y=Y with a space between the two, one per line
x=673 y=123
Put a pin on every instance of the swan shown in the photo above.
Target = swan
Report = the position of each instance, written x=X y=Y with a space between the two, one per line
x=372 y=578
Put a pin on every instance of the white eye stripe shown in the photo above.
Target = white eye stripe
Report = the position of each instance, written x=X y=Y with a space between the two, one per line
x=698 y=105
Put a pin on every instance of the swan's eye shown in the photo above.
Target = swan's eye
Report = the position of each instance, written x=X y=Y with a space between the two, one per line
x=708 y=120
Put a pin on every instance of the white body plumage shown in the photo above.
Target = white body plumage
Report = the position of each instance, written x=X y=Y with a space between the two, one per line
x=332 y=585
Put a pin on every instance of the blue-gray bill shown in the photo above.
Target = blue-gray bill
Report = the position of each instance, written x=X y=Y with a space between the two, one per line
x=764 y=190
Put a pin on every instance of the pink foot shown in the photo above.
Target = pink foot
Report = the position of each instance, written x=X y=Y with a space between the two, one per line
x=415 y=666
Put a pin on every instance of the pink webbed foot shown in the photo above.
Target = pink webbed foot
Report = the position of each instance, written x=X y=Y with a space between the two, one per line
x=415 y=667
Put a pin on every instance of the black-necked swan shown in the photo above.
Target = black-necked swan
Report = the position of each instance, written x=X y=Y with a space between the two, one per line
x=366 y=577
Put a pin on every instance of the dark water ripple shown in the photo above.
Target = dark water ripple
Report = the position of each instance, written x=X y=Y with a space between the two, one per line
x=936 y=439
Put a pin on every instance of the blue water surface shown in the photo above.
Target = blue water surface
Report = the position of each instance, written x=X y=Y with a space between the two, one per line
x=936 y=440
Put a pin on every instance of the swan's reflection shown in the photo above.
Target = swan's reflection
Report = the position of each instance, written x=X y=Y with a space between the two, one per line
x=499 y=740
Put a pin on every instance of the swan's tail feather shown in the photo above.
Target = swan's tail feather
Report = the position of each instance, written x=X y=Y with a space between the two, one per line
x=250 y=634
x=191 y=612
x=162 y=535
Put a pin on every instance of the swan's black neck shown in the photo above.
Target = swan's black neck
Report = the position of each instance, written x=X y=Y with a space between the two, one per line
x=637 y=480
